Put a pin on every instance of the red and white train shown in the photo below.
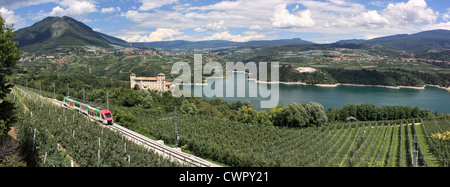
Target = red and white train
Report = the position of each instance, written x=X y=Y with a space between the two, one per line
x=98 y=113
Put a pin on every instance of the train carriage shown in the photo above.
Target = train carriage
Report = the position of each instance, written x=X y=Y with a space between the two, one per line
x=99 y=113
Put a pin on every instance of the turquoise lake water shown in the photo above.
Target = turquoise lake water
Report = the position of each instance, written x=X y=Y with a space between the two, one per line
x=431 y=98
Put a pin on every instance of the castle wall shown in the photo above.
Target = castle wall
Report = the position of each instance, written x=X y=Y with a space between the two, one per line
x=149 y=83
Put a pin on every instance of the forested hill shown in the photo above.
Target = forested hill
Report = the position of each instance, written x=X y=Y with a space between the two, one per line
x=394 y=77
x=54 y=32
x=419 y=42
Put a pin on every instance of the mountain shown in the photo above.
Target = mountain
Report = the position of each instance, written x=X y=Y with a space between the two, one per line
x=182 y=45
x=419 y=42
x=54 y=32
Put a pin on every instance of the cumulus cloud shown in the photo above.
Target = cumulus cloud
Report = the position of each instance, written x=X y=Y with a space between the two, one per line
x=347 y=17
x=215 y=27
x=283 y=19
x=443 y=25
x=198 y=29
x=74 y=8
x=446 y=17
x=10 y=18
x=255 y=27
x=164 y=34
x=331 y=17
x=215 y=17
x=371 y=19
x=411 y=12
x=161 y=34
x=110 y=10
x=236 y=38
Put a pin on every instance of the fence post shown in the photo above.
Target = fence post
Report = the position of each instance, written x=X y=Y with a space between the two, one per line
x=98 y=162
x=34 y=140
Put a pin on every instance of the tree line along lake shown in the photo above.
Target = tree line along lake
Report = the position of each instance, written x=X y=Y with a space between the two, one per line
x=430 y=98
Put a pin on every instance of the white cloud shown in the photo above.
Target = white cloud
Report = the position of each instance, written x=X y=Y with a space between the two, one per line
x=442 y=25
x=330 y=17
x=283 y=19
x=236 y=38
x=110 y=10
x=233 y=14
x=255 y=27
x=161 y=34
x=152 y=4
x=216 y=26
x=446 y=16
x=350 y=18
x=10 y=18
x=198 y=29
x=135 y=16
x=412 y=12
x=370 y=36
x=371 y=19
x=72 y=8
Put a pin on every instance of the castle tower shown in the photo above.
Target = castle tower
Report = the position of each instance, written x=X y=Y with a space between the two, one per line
x=161 y=82
x=132 y=80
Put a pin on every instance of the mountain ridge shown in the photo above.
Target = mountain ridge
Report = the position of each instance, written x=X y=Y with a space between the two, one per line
x=418 y=42
x=54 y=32
x=184 y=45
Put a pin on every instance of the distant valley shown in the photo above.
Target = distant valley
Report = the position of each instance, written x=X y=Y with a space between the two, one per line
x=59 y=32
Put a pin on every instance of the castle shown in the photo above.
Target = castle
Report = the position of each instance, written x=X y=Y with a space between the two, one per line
x=150 y=83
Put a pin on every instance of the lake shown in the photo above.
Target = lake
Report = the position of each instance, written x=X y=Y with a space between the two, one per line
x=431 y=98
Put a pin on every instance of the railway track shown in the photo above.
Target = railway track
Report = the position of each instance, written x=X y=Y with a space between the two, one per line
x=167 y=152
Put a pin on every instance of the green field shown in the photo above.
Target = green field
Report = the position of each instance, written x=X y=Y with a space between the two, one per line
x=362 y=144
x=64 y=135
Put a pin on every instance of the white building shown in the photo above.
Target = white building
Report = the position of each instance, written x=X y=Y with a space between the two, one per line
x=151 y=83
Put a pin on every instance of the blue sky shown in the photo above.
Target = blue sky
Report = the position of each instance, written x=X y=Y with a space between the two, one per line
x=320 y=21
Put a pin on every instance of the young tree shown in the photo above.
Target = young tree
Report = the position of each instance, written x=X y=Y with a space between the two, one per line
x=316 y=114
x=9 y=55
x=415 y=112
x=188 y=108
x=293 y=115
x=247 y=114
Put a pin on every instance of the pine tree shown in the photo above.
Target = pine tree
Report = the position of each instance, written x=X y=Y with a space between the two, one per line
x=9 y=55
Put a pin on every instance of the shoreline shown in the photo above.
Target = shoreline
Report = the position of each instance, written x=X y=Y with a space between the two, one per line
x=327 y=85
x=361 y=85
x=349 y=84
